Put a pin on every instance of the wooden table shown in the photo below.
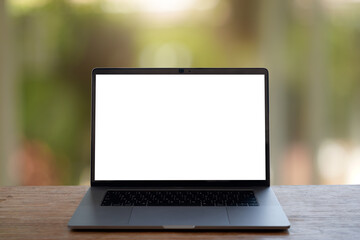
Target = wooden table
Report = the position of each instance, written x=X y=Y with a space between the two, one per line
x=315 y=212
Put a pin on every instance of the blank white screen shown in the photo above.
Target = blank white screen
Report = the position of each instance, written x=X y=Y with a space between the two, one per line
x=180 y=127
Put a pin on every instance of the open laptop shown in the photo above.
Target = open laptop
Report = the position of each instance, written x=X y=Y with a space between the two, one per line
x=180 y=149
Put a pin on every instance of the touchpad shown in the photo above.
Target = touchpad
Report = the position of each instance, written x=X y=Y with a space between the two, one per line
x=177 y=216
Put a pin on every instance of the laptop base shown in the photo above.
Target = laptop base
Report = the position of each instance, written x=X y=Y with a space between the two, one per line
x=91 y=215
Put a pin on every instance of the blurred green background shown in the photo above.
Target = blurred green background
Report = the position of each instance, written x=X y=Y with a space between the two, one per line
x=48 y=48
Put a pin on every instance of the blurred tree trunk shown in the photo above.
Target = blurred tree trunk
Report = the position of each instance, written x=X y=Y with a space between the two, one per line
x=273 y=46
x=8 y=134
x=317 y=86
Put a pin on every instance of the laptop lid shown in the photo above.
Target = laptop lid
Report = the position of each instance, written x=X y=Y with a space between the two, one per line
x=187 y=127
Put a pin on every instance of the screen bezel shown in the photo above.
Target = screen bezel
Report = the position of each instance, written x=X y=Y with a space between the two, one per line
x=178 y=183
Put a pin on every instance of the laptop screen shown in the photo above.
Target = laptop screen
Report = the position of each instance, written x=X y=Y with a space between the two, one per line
x=180 y=127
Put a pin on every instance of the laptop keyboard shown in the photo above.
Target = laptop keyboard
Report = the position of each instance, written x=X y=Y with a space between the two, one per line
x=179 y=198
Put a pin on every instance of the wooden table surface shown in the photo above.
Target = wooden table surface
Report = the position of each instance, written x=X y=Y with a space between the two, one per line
x=315 y=212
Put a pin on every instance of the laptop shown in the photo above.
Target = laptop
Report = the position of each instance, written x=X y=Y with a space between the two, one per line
x=180 y=148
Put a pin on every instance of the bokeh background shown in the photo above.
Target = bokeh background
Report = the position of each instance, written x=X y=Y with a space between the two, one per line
x=48 y=48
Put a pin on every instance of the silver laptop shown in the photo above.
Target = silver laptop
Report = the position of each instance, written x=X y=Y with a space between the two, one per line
x=180 y=149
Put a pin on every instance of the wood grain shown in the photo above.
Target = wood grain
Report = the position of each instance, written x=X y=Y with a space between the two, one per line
x=315 y=212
